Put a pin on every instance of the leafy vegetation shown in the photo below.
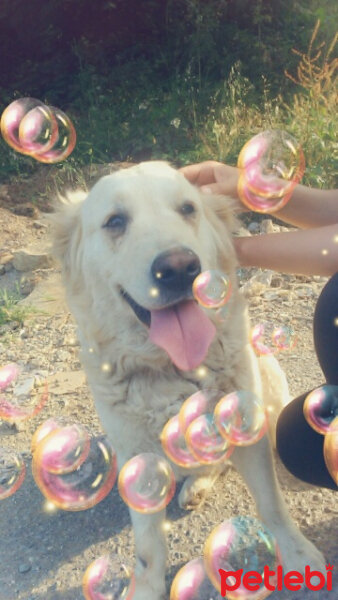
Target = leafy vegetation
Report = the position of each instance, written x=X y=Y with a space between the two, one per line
x=182 y=80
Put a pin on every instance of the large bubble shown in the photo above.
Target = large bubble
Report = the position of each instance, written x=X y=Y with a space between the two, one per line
x=192 y=583
x=72 y=470
x=106 y=578
x=241 y=418
x=44 y=132
x=147 y=483
x=23 y=394
x=241 y=543
x=271 y=164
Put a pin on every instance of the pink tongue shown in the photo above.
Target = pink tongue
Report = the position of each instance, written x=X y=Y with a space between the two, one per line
x=184 y=332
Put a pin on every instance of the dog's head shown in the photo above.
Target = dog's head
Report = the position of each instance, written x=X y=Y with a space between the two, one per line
x=130 y=251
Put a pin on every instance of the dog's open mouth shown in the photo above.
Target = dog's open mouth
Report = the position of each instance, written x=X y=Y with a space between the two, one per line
x=142 y=314
x=181 y=329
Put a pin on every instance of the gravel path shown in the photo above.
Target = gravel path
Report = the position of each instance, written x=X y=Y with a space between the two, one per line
x=43 y=555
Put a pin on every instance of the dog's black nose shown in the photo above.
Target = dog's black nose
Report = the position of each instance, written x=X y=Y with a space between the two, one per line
x=176 y=269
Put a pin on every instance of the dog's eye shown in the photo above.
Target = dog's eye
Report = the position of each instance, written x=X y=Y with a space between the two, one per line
x=187 y=208
x=117 y=222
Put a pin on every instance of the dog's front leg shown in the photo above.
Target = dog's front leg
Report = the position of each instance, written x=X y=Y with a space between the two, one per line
x=255 y=465
x=151 y=555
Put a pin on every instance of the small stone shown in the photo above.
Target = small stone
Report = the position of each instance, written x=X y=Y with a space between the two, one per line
x=254 y=227
x=25 y=567
x=267 y=226
x=30 y=259
x=26 y=209
x=6 y=258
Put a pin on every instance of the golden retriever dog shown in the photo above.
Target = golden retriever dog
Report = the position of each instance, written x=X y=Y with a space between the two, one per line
x=130 y=251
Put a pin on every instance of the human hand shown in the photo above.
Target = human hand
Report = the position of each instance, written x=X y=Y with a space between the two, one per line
x=213 y=177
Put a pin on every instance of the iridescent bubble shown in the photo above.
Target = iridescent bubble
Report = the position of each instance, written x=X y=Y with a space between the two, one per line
x=284 y=337
x=147 y=483
x=51 y=424
x=240 y=543
x=174 y=445
x=106 y=578
x=241 y=419
x=202 y=402
x=212 y=289
x=93 y=475
x=257 y=335
x=271 y=165
x=192 y=583
x=65 y=140
x=23 y=395
x=8 y=374
x=66 y=450
x=331 y=451
x=12 y=472
x=321 y=408
x=205 y=442
x=33 y=128
x=28 y=126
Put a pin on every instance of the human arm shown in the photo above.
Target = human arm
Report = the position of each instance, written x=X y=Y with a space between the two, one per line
x=308 y=207
x=304 y=252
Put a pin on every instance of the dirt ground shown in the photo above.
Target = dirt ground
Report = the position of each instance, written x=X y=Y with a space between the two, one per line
x=43 y=555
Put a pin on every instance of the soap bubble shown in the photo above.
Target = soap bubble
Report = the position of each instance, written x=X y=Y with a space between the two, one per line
x=47 y=427
x=68 y=473
x=106 y=578
x=23 y=393
x=241 y=418
x=331 y=451
x=174 y=445
x=147 y=483
x=65 y=141
x=240 y=543
x=321 y=408
x=8 y=374
x=257 y=335
x=199 y=403
x=192 y=583
x=65 y=451
x=212 y=289
x=35 y=129
x=198 y=427
x=12 y=472
x=271 y=164
x=205 y=442
x=284 y=337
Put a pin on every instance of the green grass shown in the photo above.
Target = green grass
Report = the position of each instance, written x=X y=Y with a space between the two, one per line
x=10 y=312
x=131 y=114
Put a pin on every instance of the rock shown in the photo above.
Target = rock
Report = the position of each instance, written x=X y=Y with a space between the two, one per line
x=257 y=284
x=6 y=258
x=40 y=225
x=24 y=567
x=30 y=259
x=242 y=232
x=267 y=226
x=48 y=295
x=26 y=209
x=254 y=227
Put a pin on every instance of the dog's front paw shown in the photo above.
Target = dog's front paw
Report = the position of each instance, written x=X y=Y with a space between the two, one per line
x=297 y=552
x=195 y=490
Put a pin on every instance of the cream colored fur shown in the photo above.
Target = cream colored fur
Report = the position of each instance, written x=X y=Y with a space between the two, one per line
x=142 y=388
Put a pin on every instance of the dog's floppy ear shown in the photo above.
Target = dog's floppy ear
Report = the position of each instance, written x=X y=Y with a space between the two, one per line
x=66 y=228
x=223 y=208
